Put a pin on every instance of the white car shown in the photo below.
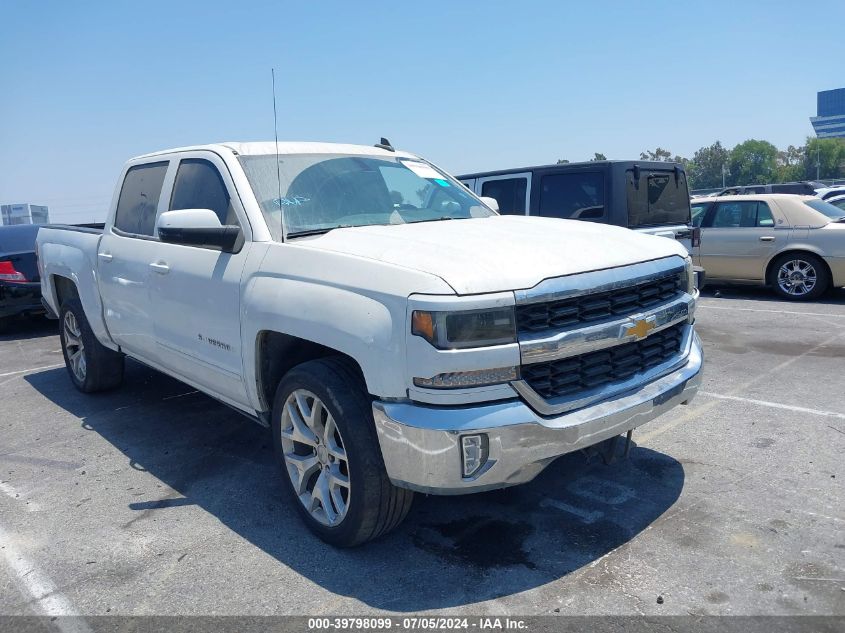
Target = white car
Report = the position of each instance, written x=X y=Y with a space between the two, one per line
x=395 y=333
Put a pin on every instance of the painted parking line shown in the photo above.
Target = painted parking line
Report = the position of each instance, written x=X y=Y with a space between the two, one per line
x=30 y=370
x=38 y=587
x=775 y=405
x=10 y=491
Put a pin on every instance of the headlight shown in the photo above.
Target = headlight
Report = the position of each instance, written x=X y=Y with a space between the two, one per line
x=470 y=328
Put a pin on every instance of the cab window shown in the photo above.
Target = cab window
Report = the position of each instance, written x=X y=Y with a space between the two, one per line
x=199 y=186
x=138 y=201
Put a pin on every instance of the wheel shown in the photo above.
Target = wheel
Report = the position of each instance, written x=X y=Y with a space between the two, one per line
x=92 y=366
x=326 y=445
x=799 y=276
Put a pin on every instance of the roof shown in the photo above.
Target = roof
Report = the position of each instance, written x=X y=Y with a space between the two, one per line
x=655 y=165
x=286 y=147
x=757 y=196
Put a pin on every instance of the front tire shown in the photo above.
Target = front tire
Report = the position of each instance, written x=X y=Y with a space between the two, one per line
x=91 y=365
x=326 y=445
x=799 y=276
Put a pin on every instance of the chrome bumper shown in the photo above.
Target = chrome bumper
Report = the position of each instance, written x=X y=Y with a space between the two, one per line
x=421 y=445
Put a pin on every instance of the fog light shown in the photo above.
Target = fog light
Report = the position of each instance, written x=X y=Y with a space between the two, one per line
x=476 y=378
x=474 y=453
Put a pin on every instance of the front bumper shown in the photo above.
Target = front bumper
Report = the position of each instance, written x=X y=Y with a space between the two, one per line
x=20 y=298
x=421 y=445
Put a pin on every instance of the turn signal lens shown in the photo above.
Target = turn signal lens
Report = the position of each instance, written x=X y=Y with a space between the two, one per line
x=422 y=324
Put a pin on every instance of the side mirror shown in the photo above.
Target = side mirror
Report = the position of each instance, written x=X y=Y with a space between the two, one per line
x=490 y=202
x=197 y=227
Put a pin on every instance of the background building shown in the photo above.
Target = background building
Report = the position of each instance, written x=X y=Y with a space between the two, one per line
x=829 y=121
x=23 y=214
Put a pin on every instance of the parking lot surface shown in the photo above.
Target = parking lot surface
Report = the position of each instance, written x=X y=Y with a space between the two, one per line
x=155 y=499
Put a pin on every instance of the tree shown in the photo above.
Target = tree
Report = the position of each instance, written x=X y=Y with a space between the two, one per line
x=790 y=164
x=824 y=158
x=562 y=161
x=753 y=162
x=705 y=169
x=658 y=154
x=598 y=156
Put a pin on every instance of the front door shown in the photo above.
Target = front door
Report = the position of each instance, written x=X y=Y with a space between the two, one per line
x=738 y=237
x=196 y=291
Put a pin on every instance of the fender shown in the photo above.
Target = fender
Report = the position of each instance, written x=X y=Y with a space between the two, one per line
x=62 y=260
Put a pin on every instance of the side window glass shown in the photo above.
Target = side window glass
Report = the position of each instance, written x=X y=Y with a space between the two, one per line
x=698 y=213
x=764 y=215
x=579 y=196
x=199 y=186
x=509 y=193
x=732 y=215
x=138 y=201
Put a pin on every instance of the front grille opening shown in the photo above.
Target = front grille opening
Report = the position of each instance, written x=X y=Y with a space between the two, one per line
x=570 y=376
x=556 y=315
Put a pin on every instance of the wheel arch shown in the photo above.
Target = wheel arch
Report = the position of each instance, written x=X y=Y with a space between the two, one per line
x=276 y=353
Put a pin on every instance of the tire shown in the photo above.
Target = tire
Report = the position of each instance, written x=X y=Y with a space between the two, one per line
x=345 y=446
x=799 y=276
x=91 y=366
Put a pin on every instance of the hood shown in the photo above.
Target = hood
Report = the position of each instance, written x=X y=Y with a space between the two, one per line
x=498 y=253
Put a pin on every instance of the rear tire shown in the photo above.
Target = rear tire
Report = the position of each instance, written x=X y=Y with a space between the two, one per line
x=325 y=443
x=799 y=276
x=91 y=365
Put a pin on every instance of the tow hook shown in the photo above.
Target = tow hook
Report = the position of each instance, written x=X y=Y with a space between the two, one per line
x=607 y=450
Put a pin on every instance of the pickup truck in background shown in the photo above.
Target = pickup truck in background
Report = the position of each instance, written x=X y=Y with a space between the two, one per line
x=394 y=332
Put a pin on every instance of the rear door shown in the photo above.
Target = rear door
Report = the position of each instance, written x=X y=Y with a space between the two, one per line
x=196 y=290
x=511 y=191
x=738 y=237
x=123 y=261
x=659 y=203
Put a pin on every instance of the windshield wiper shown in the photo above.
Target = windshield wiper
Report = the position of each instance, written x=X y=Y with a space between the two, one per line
x=430 y=220
x=308 y=232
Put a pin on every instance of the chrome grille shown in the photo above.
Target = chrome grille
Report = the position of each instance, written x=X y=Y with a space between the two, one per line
x=591 y=308
x=576 y=374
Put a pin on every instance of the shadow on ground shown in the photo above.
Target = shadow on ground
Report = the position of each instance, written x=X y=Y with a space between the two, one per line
x=835 y=296
x=19 y=329
x=450 y=551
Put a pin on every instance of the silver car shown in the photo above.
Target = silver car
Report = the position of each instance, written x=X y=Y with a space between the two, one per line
x=795 y=244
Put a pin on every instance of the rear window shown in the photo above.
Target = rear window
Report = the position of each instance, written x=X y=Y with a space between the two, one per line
x=17 y=239
x=138 y=202
x=823 y=207
x=576 y=195
x=657 y=198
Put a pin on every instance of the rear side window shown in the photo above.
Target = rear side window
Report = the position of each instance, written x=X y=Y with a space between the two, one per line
x=138 y=201
x=509 y=193
x=579 y=196
x=199 y=186
x=657 y=198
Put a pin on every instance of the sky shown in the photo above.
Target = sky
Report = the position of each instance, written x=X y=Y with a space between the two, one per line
x=471 y=86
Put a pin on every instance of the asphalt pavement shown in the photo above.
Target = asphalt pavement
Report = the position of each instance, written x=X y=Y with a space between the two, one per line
x=154 y=499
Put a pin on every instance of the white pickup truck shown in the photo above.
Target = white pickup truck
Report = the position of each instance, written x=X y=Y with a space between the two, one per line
x=394 y=331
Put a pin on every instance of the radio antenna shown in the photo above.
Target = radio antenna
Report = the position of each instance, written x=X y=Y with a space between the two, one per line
x=278 y=168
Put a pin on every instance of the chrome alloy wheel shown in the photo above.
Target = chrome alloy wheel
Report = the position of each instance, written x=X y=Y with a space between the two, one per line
x=797 y=277
x=315 y=457
x=74 y=347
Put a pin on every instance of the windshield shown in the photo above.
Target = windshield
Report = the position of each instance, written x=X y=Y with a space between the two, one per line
x=830 y=210
x=305 y=194
x=659 y=197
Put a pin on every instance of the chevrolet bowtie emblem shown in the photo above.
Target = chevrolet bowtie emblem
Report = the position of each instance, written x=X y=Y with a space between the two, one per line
x=640 y=328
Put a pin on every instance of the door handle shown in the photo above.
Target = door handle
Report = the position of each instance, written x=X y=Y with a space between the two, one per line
x=160 y=267
x=767 y=238
x=105 y=257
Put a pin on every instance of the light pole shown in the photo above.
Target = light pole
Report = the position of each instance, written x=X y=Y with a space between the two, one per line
x=818 y=162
